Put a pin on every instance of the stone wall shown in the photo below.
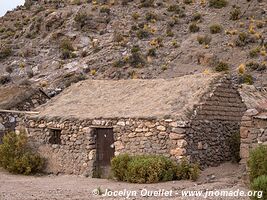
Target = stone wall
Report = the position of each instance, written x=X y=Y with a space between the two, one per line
x=253 y=132
x=213 y=125
x=77 y=152
x=9 y=120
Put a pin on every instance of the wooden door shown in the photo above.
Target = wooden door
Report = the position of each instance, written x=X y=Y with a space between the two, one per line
x=104 y=151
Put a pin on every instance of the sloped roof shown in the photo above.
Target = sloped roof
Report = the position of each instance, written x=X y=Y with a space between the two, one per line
x=11 y=96
x=155 y=98
x=253 y=97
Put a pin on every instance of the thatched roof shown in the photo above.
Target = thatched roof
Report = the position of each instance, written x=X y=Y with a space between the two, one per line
x=11 y=96
x=253 y=97
x=129 y=98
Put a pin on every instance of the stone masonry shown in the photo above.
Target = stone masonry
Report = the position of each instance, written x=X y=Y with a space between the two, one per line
x=76 y=154
x=253 y=132
x=9 y=120
x=203 y=137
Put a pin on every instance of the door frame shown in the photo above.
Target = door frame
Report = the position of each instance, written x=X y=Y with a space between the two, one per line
x=102 y=171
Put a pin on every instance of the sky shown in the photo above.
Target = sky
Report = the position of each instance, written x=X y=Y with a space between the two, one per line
x=6 y=5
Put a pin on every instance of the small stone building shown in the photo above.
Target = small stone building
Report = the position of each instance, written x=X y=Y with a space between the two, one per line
x=81 y=129
x=253 y=130
x=17 y=98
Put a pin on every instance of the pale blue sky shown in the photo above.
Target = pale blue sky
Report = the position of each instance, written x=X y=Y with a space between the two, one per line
x=6 y=5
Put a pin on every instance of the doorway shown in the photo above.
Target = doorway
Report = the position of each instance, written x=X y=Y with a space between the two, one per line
x=104 y=151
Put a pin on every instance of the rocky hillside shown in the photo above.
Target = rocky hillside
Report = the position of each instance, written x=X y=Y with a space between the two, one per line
x=54 y=43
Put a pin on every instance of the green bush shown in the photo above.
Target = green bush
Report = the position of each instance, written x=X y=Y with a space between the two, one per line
x=17 y=157
x=257 y=162
x=260 y=184
x=218 y=3
x=186 y=171
x=151 y=169
x=215 y=28
x=119 y=166
x=222 y=66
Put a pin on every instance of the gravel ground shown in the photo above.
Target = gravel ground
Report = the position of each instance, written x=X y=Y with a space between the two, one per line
x=65 y=187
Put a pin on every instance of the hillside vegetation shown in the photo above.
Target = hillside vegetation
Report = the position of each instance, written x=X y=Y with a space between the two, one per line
x=54 y=43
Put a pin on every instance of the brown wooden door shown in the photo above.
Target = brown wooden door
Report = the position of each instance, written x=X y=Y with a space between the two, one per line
x=104 y=150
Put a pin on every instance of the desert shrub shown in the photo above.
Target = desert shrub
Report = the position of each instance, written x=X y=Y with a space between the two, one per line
x=222 y=66
x=17 y=157
x=197 y=17
x=260 y=184
x=218 y=3
x=118 y=37
x=83 y=18
x=243 y=39
x=119 y=63
x=142 y=34
x=254 y=66
x=152 y=52
x=66 y=49
x=125 y=2
x=248 y=79
x=234 y=143
x=4 y=79
x=215 y=28
x=136 y=59
x=151 y=169
x=169 y=32
x=187 y=171
x=206 y=39
x=151 y=16
x=257 y=162
x=188 y=1
x=135 y=15
x=254 y=52
x=146 y=3
x=105 y=9
x=5 y=52
x=235 y=13
x=177 y=10
x=193 y=28
x=119 y=166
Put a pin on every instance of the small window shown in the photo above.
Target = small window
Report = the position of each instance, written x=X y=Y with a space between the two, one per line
x=55 y=136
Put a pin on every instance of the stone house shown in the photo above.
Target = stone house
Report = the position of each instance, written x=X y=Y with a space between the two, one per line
x=253 y=129
x=80 y=130
x=17 y=98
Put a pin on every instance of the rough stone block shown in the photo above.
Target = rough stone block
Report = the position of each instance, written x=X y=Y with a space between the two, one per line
x=176 y=136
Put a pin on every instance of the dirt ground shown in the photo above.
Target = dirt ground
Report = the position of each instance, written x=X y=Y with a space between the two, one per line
x=66 y=187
